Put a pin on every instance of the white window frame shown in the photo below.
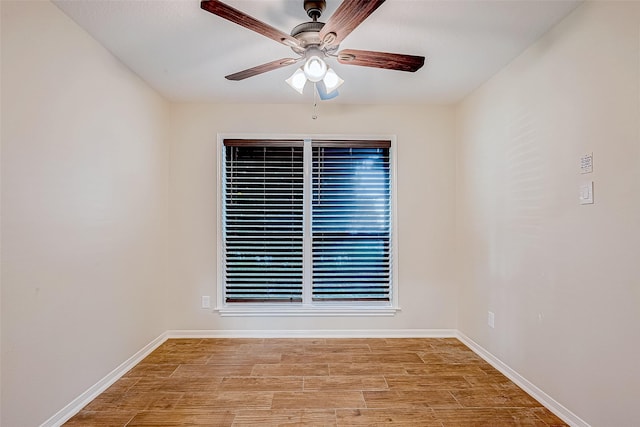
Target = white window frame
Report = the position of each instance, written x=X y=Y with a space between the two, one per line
x=307 y=307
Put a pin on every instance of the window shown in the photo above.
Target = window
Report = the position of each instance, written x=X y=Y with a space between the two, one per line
x=263 y=222
x=351 y=218
x=306 y=224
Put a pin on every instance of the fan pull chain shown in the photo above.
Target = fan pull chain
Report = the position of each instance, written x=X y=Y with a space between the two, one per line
x=314 y=115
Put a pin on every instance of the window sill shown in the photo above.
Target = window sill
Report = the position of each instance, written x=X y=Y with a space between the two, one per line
x=280 y=311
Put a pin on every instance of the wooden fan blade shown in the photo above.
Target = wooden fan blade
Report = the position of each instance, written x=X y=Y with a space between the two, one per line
x=389 y=61
x=269 y=66
x=346 y=18
x=234 y=15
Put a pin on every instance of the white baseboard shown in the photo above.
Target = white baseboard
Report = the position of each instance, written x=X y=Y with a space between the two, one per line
x=550 y=403
x=78 y=403
x=326 y=333
x=81 y=401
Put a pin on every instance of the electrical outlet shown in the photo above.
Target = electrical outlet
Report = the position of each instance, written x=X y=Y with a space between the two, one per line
x=206 y=302
x=491 y=319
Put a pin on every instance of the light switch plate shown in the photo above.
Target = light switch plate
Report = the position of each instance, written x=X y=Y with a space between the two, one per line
x=491 y=319
x=586 y=193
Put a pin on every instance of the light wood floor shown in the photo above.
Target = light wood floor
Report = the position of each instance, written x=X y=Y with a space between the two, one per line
x=268 y=382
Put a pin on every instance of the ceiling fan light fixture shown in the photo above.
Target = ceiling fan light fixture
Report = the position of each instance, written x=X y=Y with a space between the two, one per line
x=323 y=92
x=332 y=81
x=314 y=41
x=297 y=80
x=315 y=68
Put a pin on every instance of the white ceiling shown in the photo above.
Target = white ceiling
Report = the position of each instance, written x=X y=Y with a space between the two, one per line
x=184 y=52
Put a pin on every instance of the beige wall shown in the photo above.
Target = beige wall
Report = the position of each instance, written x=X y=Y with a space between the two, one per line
x=562 y=279
x=96 y=262
x=425 y=174
x=84 y=212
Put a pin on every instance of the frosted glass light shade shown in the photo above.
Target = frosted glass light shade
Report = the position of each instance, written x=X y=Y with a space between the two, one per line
x=322 y=91
x=332 y=81
x=315 y=69
x=297 y=80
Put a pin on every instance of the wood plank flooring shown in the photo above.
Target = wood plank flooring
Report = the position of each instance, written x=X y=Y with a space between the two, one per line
x=333 y=382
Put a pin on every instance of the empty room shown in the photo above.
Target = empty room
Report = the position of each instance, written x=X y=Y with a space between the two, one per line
x=340 y=212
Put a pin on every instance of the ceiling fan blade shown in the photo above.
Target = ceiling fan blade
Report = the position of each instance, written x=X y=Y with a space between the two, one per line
x=269 y=66
x=234 y=15
x=389 y=61
x=346 y=18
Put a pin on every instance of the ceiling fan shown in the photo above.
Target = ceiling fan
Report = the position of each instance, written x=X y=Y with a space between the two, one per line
x=314 y=41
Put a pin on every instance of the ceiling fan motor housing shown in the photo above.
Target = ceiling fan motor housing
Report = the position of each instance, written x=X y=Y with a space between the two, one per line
x=308 y=33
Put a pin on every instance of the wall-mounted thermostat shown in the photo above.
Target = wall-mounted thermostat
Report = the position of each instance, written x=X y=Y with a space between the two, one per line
x=586 y=163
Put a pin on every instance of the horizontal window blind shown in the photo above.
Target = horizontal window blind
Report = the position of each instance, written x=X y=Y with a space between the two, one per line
x=351 y=221
x=263 y=185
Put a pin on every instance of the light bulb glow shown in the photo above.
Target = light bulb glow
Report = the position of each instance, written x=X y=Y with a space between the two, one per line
x=315 y=68
x=332 y=81
x=297 y=81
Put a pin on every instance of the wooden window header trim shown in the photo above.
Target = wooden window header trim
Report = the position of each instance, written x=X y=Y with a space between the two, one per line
x=315 y=143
